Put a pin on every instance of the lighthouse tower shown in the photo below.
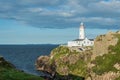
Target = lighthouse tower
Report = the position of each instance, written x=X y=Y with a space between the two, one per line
x=82 y=41
x=82 y=31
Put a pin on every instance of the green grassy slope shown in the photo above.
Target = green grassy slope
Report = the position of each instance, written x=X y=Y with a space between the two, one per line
x=8 y=72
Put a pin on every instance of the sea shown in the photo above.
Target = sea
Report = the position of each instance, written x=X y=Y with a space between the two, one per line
x=25 y=56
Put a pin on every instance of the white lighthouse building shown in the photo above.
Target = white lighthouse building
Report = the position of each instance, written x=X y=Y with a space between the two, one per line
x=82 y=32
x=83 y=40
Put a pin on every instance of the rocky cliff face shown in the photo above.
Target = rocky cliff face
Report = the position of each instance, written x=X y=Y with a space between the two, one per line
x=64 y=62
x=100 y=63
x=102 y=43
x=106 y=57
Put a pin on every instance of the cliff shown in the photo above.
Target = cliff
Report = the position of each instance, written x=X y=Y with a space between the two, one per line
x=103 y=42
x=107 y=62
x=64 y=62
x=9 y=72
x=101 y=62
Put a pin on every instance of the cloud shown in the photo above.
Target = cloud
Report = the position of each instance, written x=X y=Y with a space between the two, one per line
x=63 y=13
x=112 y=6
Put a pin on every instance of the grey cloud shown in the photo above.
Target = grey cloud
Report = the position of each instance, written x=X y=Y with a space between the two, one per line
x=62 y=14
x=106 y=6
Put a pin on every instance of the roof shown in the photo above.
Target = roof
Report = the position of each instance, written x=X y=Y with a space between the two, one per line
x=91 y=39
x=83 y=39
x=78 y=40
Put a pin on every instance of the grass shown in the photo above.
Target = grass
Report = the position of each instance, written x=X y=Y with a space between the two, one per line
x=8 y=72
x=79 y=68
x=103 y=63
x=13 y=74
x=106 y=62
x=61 y=50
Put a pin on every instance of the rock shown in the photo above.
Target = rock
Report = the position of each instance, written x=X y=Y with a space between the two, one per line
x=43 y=64
x=59 y=63
x=64 y=70
x=106 y=76
x=5 y=63
x=117 y=66
x=64 y=61
x=102 y=44
x=73 y=58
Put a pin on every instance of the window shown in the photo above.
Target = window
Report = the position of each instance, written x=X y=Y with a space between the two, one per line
x=84 y=41
x=88 y=42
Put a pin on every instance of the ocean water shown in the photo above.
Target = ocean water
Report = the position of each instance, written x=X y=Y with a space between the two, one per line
x=24 y=56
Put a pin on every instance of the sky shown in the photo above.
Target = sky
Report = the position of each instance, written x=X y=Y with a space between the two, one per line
x=55 y=21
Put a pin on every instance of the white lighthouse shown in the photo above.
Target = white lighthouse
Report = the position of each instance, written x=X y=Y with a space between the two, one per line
x=82 y=40
x=81 y=31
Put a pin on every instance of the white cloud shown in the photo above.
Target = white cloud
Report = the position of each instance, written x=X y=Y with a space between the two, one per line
x=65 y=14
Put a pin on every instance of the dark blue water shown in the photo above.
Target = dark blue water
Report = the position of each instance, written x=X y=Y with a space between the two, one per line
x=24 y=56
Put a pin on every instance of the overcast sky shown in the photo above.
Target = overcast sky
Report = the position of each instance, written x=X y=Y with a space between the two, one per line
x=55 y=21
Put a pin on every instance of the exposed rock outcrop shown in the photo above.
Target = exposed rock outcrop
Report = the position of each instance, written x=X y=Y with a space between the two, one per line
x=106 y=76
x=43 y=64
x=5 y=63
x=98 y=63
x=63 y=61
x=117 y=66
x=103 y=42
x=106 y=57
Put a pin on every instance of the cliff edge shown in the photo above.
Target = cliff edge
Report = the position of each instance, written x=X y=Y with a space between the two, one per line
x=101 y=62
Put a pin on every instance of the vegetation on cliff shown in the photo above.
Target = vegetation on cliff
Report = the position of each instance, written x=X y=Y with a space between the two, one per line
x=65 y=62
x=100 y=63
x=9 y=72
x=106 y=62
x=69 y=62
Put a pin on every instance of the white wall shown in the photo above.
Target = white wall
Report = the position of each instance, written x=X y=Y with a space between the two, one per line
x=85 y=42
